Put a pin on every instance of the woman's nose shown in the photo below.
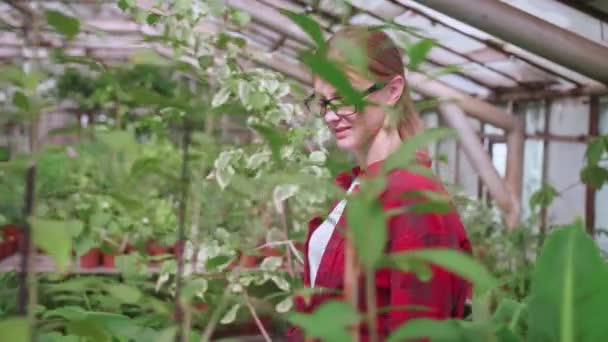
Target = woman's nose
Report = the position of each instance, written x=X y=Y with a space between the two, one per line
x=331 y=116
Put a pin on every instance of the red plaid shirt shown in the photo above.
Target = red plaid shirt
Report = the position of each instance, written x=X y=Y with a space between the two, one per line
x=444 y=295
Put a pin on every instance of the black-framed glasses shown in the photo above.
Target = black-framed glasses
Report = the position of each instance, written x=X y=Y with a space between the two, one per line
x=318 y=105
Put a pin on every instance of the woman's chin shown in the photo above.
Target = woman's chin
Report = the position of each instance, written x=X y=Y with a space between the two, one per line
x=346 y=144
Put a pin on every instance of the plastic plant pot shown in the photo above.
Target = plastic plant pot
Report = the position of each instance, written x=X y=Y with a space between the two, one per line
x=108 y=260
x=249 y=261
x=178 y=249
x=154 y=248
x=91 y=259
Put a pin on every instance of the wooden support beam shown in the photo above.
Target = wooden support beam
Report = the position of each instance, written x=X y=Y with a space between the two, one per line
x=515 y=161
x=531 y=33
x=455 y=117
x=476 y=108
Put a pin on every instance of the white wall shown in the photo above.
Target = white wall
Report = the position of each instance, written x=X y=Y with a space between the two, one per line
x=566 y=159
x=534 y=113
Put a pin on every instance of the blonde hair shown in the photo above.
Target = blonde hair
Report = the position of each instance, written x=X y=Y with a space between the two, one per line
x=383 y=61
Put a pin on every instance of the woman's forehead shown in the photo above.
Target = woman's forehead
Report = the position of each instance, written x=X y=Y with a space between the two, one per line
x=325 y=88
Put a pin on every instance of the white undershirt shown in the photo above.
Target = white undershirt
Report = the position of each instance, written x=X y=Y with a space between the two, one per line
x=320 y=237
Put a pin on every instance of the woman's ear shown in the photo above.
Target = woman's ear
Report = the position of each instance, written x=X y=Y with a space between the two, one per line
x=395 y=89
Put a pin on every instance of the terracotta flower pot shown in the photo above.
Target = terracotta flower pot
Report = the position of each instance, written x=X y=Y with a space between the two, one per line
x=91 y=259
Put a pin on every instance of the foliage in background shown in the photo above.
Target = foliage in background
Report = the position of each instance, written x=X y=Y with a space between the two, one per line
x=121 y=185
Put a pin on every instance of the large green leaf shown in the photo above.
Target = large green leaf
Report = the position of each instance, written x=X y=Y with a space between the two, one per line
x=328 y=322
x=55 y=238
x=452 y=260
x=21 y=101
x=594 y=176
x=443 y=331
x=406 y=154
x=308 y=25
x=429 y=202
x=64 y=24
x=543 y=197
x=273 y=137
x=418 y=51
x=125 y=293
x=367 y=222
x=569 y=297
x=331 y=72
x=15 y=329
x=512 y=314
x=595 y=149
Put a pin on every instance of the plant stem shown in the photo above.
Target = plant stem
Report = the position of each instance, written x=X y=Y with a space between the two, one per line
x=370 y=294
x=27 y=282
x=215 y=316
x=256 y=318
x=351 y=284
x=185 y=181
x=286 y=224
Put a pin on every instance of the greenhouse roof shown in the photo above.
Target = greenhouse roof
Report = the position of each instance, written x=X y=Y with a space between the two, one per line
x=488 y=67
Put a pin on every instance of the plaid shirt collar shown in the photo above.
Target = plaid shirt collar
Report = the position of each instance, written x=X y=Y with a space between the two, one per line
x=345 y=179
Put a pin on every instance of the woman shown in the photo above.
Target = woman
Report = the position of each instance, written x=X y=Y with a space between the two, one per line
x=363 y=133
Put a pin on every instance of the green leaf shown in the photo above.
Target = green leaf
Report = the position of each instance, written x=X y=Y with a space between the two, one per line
x=205 y=61
x=215 y=262
x=367 y=222
x=54 y=237
x=543 y=197
x=125 y=293
x=88 y=329
x=511 y=314
x=594 y=176
x=429 y=202
x=451 y=260
x=406 y=153
x=308 y=25
x=332 y=73
x=15 y=329
x=119 y=141
x=21 y=101
x=230 y=315
x=125 y=4
x=258 y=100
x=57 y=337
x=240 y=18
x=421 y=269
x=152 y=18
x=129 y=265
x=418 y=51
x=193 y=288
x=355 y=56
x=64 y=24
x=317 y=325
x=442 y=331
x=216 y=7
x=595 y=150
x=149 y=57
x=167 y=335
x=568 y=295
x=273 y=137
